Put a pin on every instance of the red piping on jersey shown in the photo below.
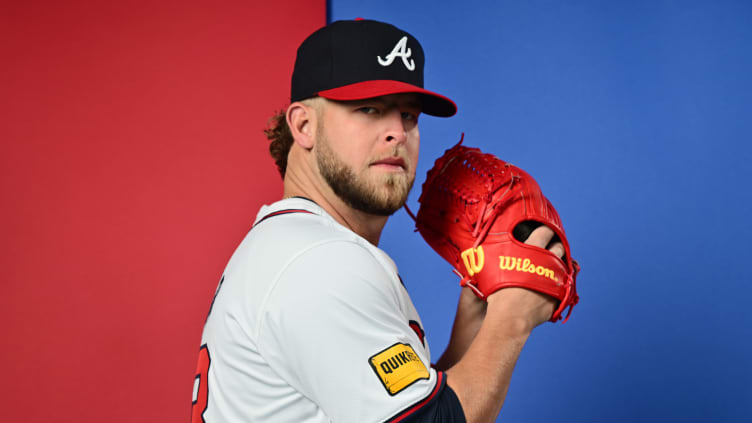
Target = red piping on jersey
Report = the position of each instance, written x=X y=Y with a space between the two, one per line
x=418 y=406
x=280 y=212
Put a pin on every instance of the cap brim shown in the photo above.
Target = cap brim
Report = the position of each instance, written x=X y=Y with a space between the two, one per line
x=433 y=104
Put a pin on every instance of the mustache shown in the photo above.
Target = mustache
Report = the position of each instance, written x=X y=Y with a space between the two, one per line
x=396 y=153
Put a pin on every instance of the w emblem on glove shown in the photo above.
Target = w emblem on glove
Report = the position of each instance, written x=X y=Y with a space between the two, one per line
x=474 y=260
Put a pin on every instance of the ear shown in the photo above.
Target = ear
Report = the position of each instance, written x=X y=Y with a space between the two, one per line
x=302 y=121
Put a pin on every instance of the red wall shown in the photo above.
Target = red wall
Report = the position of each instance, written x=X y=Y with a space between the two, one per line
x=132 y=164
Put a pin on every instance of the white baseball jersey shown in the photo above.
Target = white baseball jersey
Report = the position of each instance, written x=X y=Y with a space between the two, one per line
x=311 y=323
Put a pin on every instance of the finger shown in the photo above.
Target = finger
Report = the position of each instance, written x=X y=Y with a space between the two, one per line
x=523 y=230
x=540 y=237
x=558 y=249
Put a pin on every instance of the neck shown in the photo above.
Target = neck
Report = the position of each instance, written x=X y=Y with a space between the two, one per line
x=366 y=225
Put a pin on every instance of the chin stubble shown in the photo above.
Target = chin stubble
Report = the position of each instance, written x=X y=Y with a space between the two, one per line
x=356 y=192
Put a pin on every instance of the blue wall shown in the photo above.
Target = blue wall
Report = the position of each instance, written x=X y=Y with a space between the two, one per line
x=635 y=119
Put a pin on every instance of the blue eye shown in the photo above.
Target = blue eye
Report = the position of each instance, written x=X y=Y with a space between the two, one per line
x=368 y=110
x=409 y=116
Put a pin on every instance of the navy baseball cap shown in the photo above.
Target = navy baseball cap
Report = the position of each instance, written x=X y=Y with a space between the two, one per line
x=355 y=60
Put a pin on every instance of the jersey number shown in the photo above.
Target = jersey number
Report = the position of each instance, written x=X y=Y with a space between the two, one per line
x=201 y=386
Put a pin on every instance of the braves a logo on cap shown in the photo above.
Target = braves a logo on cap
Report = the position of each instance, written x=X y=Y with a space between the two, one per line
x=399 y=50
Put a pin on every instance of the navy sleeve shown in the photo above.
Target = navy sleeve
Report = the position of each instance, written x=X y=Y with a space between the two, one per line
x=443 y=407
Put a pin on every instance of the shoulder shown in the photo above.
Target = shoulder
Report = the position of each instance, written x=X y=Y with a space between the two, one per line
x=297 y=224
x=288 y=229
x=295 y=251
x=283 y=230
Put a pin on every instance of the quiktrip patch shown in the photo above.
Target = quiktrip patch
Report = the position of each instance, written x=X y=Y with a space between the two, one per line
x=398 y=367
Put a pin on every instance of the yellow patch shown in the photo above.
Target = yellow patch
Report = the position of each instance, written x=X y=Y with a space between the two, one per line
x=398 y=367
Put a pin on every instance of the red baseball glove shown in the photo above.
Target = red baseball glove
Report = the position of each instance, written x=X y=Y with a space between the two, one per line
x=474 y=211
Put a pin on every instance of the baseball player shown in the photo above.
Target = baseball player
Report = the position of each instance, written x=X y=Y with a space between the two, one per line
x=311 y=321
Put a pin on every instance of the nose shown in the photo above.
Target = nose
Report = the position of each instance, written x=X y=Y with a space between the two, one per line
x=396 y=132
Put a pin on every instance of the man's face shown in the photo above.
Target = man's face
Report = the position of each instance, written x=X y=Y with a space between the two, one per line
x=367 y=150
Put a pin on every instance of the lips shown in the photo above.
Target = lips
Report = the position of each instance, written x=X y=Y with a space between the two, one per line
x=390 y=161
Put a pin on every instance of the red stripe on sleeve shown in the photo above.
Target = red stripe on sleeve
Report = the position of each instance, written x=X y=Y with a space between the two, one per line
x=418 y=406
